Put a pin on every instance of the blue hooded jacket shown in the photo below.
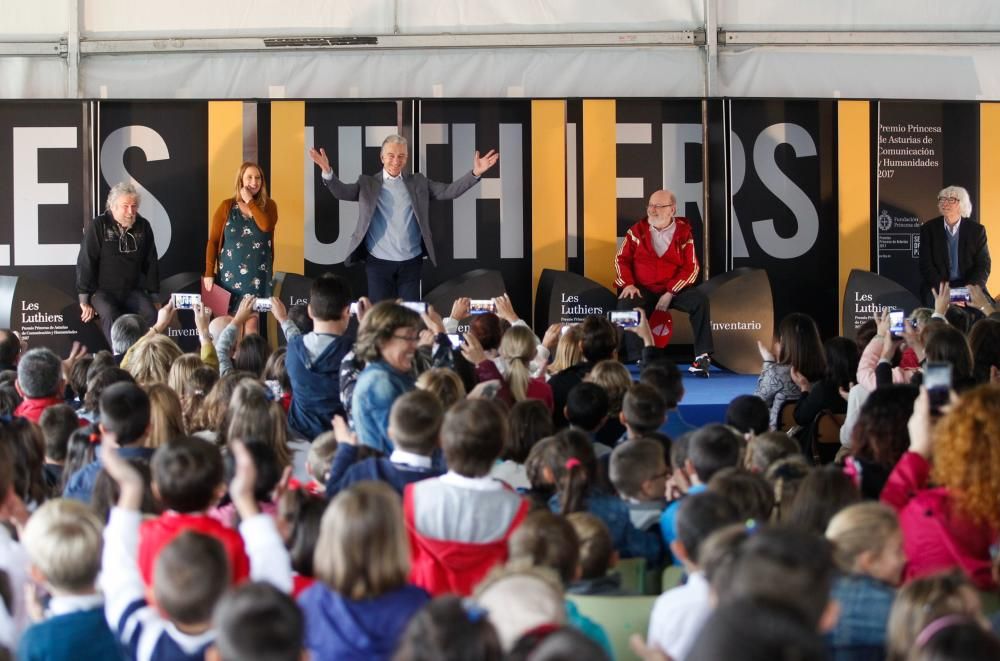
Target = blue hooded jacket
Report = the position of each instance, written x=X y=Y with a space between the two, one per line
x=365 y=630
x=315 y=383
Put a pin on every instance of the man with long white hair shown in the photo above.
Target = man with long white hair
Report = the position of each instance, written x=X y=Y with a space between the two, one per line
x=117 y=268
x=953 y=246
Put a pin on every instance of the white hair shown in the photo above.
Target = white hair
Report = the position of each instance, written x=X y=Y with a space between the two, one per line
x=120 y=189
x=964 y=203
x=394 y=139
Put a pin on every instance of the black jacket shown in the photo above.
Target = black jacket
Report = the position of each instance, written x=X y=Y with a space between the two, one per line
x=973 y=254
x=102 y=266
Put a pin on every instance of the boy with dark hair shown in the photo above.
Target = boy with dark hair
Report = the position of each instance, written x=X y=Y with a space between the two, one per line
x=313 y=359
x=599 y=342
x=191 y=573
x=587 y=409
x=124 y=416
x=257 y=622
x=643 y=411
x=757 y=629
x=639 y=472
x=459 y=523
x=749 y=415
x=785 y=565
x=663 y=375
x=711 y=448
x=57 y=423
x=188 y=481
x=414 y=426
x=679 y=614
x=748 y=492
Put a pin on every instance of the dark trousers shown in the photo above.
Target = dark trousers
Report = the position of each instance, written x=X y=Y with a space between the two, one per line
x=389 y=280
x=690 y=300
x=111 y=305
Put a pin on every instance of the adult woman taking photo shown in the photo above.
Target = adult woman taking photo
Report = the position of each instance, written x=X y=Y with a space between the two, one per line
x=946 y=488
x=240 y=253
x=387 y=342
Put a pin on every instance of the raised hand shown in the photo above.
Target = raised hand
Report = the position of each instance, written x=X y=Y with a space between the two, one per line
x=202 y=318
x=432 y=320
x=460 y=308
x=642 y=329
x=278 y=310
x=320 y=159
x=164 y=317
x=505 y=309
x=242 y=485
x=244 y=311
x=942 y=297
x=481 y=164
x=473 y=350
x=130 y=482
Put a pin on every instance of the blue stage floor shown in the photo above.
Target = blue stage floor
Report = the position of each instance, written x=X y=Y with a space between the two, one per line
x=706 y=400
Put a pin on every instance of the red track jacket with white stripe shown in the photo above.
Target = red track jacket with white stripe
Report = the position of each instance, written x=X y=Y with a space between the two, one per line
x=638 y=264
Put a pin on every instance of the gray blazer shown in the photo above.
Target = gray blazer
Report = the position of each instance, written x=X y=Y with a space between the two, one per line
x=366 y=190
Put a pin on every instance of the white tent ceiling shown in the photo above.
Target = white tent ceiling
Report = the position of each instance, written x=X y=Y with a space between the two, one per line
x=531 y=48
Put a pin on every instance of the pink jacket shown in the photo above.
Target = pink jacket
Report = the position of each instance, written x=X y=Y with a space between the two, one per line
x=869 y=360
x=935 y=536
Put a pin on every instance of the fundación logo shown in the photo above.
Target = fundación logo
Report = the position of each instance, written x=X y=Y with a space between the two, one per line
x=884 y=221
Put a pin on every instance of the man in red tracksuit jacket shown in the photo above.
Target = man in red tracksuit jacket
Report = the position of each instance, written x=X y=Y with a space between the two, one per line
x=656 y=267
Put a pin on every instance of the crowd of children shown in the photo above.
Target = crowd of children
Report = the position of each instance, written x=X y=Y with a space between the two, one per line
x=372 y=491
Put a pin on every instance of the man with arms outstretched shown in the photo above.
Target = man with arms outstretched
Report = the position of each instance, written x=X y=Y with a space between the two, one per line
x=394 y=231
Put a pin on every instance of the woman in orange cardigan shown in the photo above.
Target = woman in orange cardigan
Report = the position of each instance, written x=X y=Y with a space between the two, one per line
x=240 y=252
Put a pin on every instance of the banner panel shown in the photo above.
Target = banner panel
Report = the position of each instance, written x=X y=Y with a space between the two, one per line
x=352 y=135
x=784 y=210
x=162 y=148
x=42 y=199
x=659 y=145
x=489 y=227
x=922 y=147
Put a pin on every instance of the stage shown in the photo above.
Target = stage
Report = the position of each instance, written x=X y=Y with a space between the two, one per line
x=706 y=400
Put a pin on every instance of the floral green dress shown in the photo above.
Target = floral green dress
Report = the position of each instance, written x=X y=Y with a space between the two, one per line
x=246 y=258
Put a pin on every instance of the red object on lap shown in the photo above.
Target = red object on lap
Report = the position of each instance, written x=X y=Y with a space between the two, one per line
x=661 y=322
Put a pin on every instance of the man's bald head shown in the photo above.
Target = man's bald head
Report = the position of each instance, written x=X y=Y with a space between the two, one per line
x=662 y=197
x=661 y=209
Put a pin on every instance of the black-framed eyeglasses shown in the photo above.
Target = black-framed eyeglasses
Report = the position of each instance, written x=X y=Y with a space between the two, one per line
x=127 y=243
x=948 y=200
x=408 y=338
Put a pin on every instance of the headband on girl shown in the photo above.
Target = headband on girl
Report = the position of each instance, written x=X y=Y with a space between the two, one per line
x=572 y=463
x=937 y=626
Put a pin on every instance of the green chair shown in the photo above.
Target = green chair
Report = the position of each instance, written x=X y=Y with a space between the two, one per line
x=673 y=576
x=620 y=617
x=633 y=574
